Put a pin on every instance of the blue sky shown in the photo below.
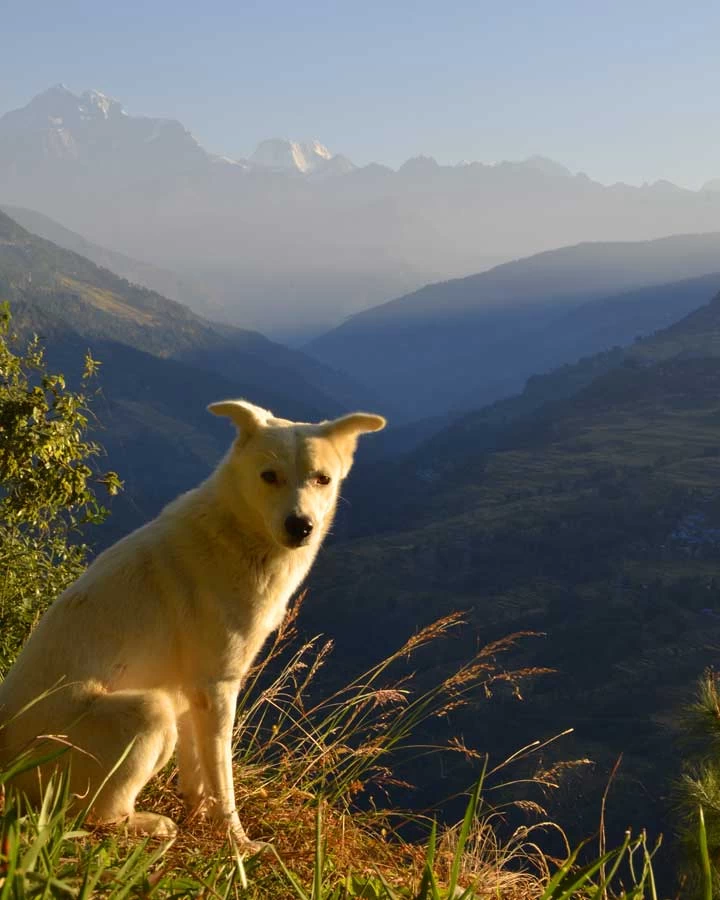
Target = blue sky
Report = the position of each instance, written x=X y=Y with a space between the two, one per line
x=621 y=90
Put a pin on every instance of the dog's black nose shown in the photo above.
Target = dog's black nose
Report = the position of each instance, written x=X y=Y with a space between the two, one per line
x=298 y=527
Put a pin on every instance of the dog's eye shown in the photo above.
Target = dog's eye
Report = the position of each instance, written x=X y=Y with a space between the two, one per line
x=322 y=479
x=269 y=476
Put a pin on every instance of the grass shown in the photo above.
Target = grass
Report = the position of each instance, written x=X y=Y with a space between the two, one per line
x=301 y=768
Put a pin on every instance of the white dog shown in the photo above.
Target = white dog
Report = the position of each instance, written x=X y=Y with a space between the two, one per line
x=148 y=648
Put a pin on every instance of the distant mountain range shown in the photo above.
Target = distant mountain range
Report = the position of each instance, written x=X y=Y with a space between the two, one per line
x=461 y=344
x=295 y=238
x=95 y=130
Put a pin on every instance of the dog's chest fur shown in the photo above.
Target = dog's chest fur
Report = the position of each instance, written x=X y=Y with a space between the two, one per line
x=253 y=603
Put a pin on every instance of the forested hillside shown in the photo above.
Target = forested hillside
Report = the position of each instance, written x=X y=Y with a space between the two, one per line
x=586 y=509
x=163 y=281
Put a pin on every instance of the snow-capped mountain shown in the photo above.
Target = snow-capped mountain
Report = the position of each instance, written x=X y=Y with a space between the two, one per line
x=281 y=154
x=90 y=129
x=58 y=110
x=278 y=153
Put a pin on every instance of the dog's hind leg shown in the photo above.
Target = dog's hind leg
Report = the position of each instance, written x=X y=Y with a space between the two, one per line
x=124 y=738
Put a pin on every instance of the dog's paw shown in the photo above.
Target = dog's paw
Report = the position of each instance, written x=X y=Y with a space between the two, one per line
x=230 y=823
x=152 y=824
x=239 y=840
x=243 y=845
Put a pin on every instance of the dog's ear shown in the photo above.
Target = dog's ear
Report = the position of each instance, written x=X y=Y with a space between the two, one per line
x=354 y=425
x=345 y=431
x=247 y=417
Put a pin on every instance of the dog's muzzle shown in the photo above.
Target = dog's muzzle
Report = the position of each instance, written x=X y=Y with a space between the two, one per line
x=298 y=528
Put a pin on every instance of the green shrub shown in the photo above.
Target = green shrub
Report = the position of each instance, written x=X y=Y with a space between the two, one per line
x=46 y=484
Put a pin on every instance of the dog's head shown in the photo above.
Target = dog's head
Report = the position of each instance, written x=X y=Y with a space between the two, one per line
x=289 y=473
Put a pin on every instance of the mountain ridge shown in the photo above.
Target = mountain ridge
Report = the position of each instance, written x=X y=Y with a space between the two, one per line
x=293 y=254
x=48 y=111
x=460 y=344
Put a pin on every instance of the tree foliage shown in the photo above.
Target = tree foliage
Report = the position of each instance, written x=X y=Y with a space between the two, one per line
x=47 y=485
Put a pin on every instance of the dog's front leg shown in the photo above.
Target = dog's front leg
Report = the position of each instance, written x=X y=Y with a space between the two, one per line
x=213 y=711
x=193 y=780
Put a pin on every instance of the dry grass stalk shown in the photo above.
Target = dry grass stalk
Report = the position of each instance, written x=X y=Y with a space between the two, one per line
x=293 y=753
